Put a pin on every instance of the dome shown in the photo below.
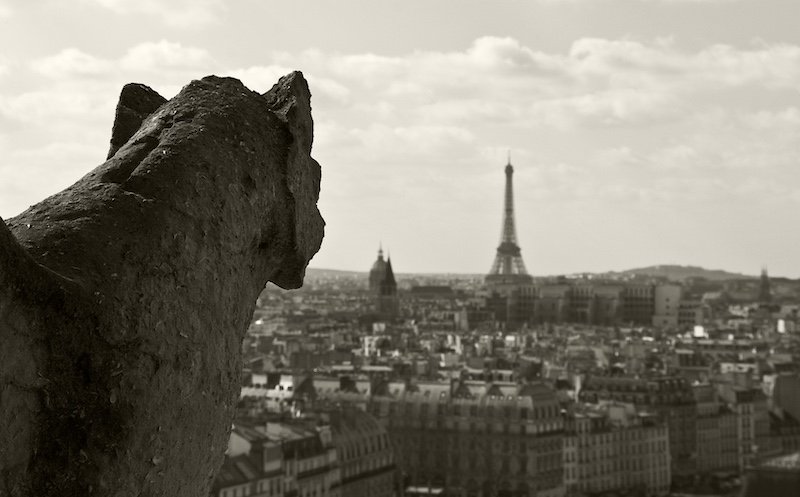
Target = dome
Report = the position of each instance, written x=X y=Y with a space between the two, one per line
x=378 y=272
x=380 y=264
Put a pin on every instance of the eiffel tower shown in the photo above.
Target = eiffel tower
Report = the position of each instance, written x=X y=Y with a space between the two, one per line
x=508 y=268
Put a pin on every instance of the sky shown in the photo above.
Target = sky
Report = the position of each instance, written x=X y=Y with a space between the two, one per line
x=641 y=131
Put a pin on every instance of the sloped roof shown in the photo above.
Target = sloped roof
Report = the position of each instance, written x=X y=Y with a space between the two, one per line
x=236 y=471
x=536 y=391
x=249 y=433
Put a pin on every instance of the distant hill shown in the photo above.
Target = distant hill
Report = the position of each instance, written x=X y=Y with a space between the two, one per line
x=672 y=272
x=681 y=273
x=332 y=273
x=321 y=273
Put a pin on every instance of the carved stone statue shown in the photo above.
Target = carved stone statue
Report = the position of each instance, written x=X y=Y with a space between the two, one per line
x=124 y=298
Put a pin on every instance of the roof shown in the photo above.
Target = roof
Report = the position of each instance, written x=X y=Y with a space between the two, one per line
x=536 y=391
x=236 y=471
x=249 y=433
x=350 y=423
x=790 y=462
x=379 y=266
x=390 y=273
x=286 y=432
x=431 y=290
x=776 y=477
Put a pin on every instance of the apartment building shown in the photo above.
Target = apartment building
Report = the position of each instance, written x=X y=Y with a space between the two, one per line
x=475 y=439
x=670 y=397
x=612 y=446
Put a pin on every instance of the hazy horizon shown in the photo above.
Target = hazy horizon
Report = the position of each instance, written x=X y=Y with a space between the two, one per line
x=539 y=275
x=642 y=132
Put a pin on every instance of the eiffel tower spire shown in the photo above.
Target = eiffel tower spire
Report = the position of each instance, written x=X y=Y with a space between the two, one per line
x=508 y=267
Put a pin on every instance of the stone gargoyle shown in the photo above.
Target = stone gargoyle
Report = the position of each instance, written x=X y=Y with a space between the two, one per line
x=124 y=298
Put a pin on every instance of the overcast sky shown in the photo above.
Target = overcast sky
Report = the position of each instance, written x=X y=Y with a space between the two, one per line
x=641 y=131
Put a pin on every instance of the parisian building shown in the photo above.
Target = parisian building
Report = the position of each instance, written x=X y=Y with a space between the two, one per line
x=776 y=476
x=333 y=451
x=365 y=455
x=717 y=432
x=612 y=446
x=475 y=439
x=253 y=466
x=752 y=424
x=670 y=397
x=595 y=303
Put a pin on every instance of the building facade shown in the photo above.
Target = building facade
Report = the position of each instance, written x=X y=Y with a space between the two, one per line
x=333 y=451
x=602 y=303
x=365 y=455
x=474 y=439
x=717 y=432
x=670 y=397
x=752 y=424
x=613 y=446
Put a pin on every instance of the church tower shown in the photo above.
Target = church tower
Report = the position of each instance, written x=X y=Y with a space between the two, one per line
x=383 y=287
x=764 y=290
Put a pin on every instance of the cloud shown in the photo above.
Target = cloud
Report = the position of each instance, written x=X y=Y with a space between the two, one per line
x=717 y=157
x=163 y=59
x=260 y=78
x=606 y=122
x=597 y=81
x=611 y=107
x=642 y=1
x=620 y=130
x=413 y=141
x=628 y=62
x=83 y=88
x=175 y=13
x=161 y=55
x=51 y=167
x=72 y=62
x=773 y=66
x=54 y=107
x=772 y=120
x=494 y=81
x=64 y=117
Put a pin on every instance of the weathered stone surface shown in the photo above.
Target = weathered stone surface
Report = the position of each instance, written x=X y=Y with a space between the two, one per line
x=124 y=298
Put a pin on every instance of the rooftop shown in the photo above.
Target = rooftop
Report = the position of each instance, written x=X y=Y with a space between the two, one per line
x=789 y=462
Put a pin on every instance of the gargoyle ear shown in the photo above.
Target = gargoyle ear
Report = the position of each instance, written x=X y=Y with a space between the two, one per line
x=290 y=100
x=136 y=102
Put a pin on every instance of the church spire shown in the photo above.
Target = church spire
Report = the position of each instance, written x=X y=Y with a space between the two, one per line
x=383 y=286
x=390 y=282
x=764 y=290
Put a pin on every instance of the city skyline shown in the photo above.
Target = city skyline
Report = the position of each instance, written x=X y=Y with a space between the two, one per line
x=641 y=132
